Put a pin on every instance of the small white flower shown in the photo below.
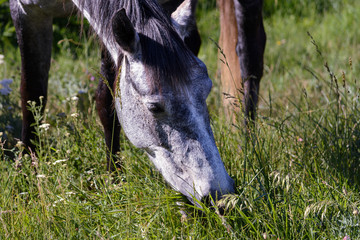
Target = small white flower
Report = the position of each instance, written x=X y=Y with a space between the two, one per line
x=74 y=115
x=59 y=161
x=265 y=235
x=45 y=126
x=40 y=176
x=74 y=98
x=19 y=144
x=57 y=201
x=356 y=212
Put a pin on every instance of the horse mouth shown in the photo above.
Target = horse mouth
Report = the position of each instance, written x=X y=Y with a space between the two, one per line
x=206 y=188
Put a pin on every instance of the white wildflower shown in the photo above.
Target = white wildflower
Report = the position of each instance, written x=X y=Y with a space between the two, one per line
x=74 y=98
x=40 y=176
x=19 y=144
x=45 y=126
x=74 y=115
x=265 y=236
x=356 y=212
x=344 y=191
x=59 y=161
x=57 y=201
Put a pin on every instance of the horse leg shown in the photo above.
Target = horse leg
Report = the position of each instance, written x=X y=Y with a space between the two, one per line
x=105 y=109
x=34 y=34
x=250 y=50
x=229 y=72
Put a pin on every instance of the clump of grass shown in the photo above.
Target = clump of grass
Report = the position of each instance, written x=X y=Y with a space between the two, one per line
x=295 y=168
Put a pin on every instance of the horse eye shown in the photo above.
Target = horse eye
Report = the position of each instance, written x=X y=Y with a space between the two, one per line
x=155 y=108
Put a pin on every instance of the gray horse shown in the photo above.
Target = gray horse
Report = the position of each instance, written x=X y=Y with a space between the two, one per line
x=162 y=88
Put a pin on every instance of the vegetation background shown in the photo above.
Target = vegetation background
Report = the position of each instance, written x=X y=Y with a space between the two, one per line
x=297 y=174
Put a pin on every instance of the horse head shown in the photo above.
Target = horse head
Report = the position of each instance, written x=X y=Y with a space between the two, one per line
x=161 y=104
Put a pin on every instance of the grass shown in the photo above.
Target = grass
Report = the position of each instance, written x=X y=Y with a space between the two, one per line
x=297 y=173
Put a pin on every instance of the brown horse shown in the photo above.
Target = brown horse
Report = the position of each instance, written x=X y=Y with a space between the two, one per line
x=242 y=29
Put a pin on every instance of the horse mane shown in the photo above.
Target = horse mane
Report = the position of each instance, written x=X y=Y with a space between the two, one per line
x=164 y=53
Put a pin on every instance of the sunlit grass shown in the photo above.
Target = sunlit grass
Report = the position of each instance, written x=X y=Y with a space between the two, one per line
x=296 y=174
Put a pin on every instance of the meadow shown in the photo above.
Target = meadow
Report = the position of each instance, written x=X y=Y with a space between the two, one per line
x=297 y=173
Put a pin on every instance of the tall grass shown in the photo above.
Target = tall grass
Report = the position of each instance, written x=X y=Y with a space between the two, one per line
x=296 y=174
x=302 y=8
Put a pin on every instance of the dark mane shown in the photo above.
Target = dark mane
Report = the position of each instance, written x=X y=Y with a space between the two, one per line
x=163 y=51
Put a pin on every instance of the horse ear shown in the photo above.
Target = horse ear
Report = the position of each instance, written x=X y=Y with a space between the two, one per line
x=124 y=32
x=183 y=18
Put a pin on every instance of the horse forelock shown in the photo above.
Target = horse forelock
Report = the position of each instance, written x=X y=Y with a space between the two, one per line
x=165 y=57
x=164 y=53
